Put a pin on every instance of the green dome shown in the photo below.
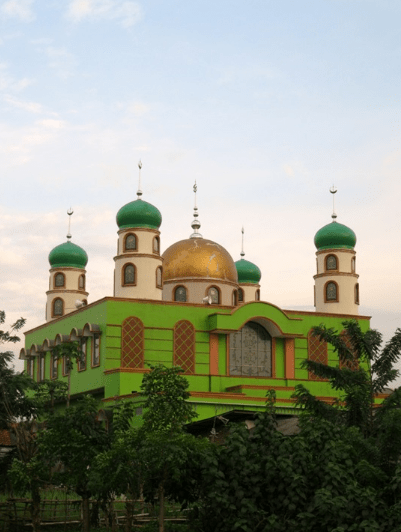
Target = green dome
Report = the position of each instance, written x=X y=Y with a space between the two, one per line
x=68 y=255
x=247 y=272
x=139 y=213
x=335 y=235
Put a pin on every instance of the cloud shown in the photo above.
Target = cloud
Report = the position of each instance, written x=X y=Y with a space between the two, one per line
x=20 y=9
x=126 y=12
x=7 y=82
x=32 y=107
x=61 y=61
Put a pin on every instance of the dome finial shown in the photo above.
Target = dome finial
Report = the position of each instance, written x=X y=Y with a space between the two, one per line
x=70 y=212
x=196 y=223
x=139 y=191
x=242 y=246
x=333 y=190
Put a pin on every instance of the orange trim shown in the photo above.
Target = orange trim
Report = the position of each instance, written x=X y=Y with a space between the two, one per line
x=289 y=354
x=328 y=314
x=256 y=387
x=126 y=370
x=214 y=354
x=335 y=250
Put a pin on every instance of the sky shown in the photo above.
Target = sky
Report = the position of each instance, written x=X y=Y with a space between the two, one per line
x=265 y=104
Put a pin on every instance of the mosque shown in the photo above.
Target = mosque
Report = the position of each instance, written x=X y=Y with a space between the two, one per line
x=191 y=306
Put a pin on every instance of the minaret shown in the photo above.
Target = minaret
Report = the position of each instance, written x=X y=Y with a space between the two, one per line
x=248 y=278
x=138 y=271
x=67 y=281
x=336 y=280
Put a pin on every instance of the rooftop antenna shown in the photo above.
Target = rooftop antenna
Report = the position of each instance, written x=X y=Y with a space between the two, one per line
x=196 y=223
x=333 y=190
x=242 y=246
x=139 y=191
x=70 y=212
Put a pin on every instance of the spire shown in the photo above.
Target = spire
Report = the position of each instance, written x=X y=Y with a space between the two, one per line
x=70 y=212
x=242 y=246
x=139 y=191
x=196 y=223
x=333 y=190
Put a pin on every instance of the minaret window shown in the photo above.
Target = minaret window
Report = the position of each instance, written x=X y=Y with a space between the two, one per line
x=240 y=295
x=159 y=277
x=58 y=307
x=180 y=294
x=331 y=262
x=331 y=291
x=357 y=294
x=129 y=275
x=257 y=295
x=130 y=242
x=59 y=280
x=353 y=265
x=156 y=244
x=235 y=297
x=214 y=295
x=81 y=282
x=251 y=351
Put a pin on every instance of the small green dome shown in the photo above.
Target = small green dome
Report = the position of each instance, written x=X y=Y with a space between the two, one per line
x=335 y=235
x=68 y=255
x=139 y=213
x=247 y=272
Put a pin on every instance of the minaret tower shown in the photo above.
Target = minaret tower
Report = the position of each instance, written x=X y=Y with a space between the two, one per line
x=248 y=278
x=138 y=271
x=67 y=282
x=336 y=280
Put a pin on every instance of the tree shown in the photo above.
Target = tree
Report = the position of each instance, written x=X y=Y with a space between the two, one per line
x=166 y=450
x=358 y=383
x=71 y=352
x=74 y=438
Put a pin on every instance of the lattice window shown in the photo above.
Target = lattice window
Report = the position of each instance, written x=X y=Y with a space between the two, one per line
x=317 y=351
x=350 y=364
x=184 y=346
x=132 y=343
x=251 y=351
x=331 y=262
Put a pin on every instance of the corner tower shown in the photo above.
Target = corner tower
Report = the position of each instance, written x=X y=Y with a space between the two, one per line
x=138 y=272
x=336 y=280
x=248 y=278
x=67 y=281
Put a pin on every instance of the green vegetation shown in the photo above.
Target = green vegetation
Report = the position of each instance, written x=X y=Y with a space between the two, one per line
x=340 y=473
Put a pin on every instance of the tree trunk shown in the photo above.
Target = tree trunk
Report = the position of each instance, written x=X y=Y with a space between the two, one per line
x=161 y=507
x=129 y=511
x=35 y=509
x=85 y=514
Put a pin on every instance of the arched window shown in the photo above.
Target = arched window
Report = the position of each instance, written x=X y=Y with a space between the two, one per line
x=59 y=280
x=132 y=343
x=130 y=242
x=180 y=294
x=184 y=346
x=331 y=262
x=331 y=291
x=235 y=297
x=53 y=367
x=159 y=277
x=352 y=364
x=353 y=265
x=81 y=282
x=156 y=244
x=58 y=307
x=357 y=293
x=84 y=350
x=257 y=295
x=41 y=368
x=129 y=275
x=214 y=295
x=240 y=295
x=317 y=351
x=251 y=351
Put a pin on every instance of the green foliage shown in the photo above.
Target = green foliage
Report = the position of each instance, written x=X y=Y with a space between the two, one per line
x=166 y=404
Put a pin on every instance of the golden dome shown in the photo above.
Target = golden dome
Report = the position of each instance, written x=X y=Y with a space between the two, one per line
x=200 y=258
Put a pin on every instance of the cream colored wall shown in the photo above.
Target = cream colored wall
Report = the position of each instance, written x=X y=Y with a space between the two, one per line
x=345 y=279
x=145 y=261
x=197 y=288
x=249 y=290
x=344 y=260
x=69 y=293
